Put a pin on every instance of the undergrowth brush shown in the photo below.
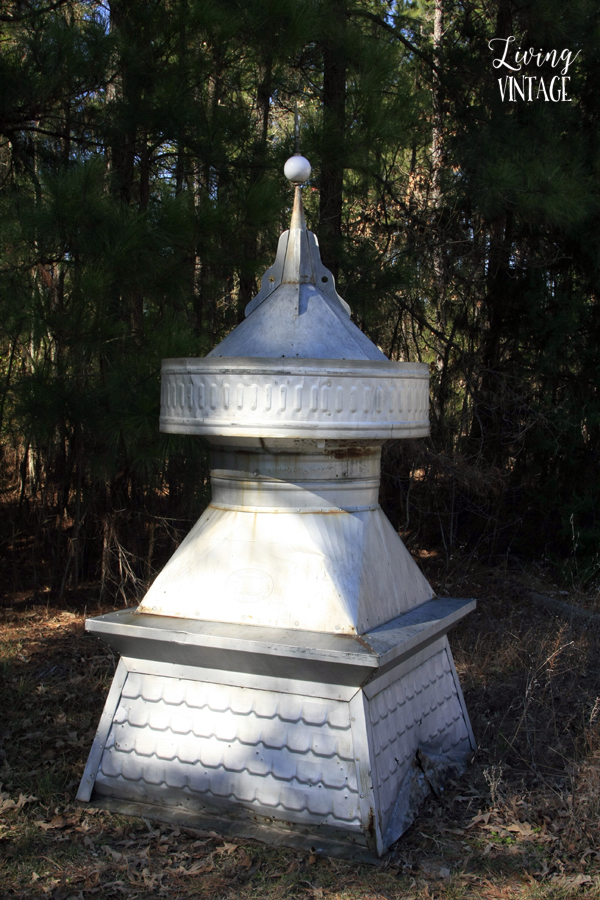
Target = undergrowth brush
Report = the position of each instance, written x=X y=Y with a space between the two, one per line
x=523 y=821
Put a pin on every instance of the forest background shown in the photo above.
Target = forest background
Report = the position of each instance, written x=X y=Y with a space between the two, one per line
x=141 y=152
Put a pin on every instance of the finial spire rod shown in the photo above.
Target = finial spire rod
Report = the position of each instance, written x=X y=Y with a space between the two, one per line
x=298 y=259
x=297 y=128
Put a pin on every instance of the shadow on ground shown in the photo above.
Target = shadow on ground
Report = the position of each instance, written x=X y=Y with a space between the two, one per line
x=522 y=821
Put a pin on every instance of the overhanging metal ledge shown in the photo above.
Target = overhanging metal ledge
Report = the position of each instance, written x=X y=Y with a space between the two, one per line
x=416 y=629
x=313 y=656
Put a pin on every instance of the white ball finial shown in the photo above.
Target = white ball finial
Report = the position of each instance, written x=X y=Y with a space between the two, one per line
x=297 y=169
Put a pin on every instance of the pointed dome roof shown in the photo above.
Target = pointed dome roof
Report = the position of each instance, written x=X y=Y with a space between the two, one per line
x=297 y=367
x=298 y=313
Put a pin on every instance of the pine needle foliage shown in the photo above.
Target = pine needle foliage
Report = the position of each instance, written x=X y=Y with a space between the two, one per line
x=141 y=148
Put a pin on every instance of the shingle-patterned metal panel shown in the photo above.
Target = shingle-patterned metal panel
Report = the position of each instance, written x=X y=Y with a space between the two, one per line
x=421 y=709
x=282 y=755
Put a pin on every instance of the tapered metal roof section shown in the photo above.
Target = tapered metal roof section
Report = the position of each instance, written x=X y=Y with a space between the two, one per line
x=298 y=313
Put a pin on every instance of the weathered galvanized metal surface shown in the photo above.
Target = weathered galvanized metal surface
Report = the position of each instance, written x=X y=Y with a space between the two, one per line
x=324 y=399
x=288 y=673
x=278 y=754
x=297 y=366
x=338 y=770
x=272 y=832
x=292 y=541
x=298 y=277
x=419 y=711
x=308 y=655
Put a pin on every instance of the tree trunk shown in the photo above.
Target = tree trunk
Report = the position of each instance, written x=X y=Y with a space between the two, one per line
x=247 y=287
x=332 y=155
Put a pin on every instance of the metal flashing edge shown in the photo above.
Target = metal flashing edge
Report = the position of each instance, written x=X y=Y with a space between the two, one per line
x=461 y=698
x=318 y=689
x=88 y=778
x=363 y=755
x=262 y=831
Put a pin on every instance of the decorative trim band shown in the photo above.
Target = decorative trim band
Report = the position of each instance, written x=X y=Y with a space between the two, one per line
x=230 y=399
x=351 y=495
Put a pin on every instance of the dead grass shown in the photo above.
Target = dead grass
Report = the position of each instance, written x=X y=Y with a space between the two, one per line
x=523 y=822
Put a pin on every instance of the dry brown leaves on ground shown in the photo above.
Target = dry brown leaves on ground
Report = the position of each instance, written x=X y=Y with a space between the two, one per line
x=523 y=822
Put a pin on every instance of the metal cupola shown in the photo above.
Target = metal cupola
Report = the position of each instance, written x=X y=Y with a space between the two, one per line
x=287 y=675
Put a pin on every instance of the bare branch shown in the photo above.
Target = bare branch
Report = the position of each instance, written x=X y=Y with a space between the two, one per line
x=396 y=32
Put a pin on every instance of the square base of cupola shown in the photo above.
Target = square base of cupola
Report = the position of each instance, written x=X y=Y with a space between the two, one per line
x=323 y=742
